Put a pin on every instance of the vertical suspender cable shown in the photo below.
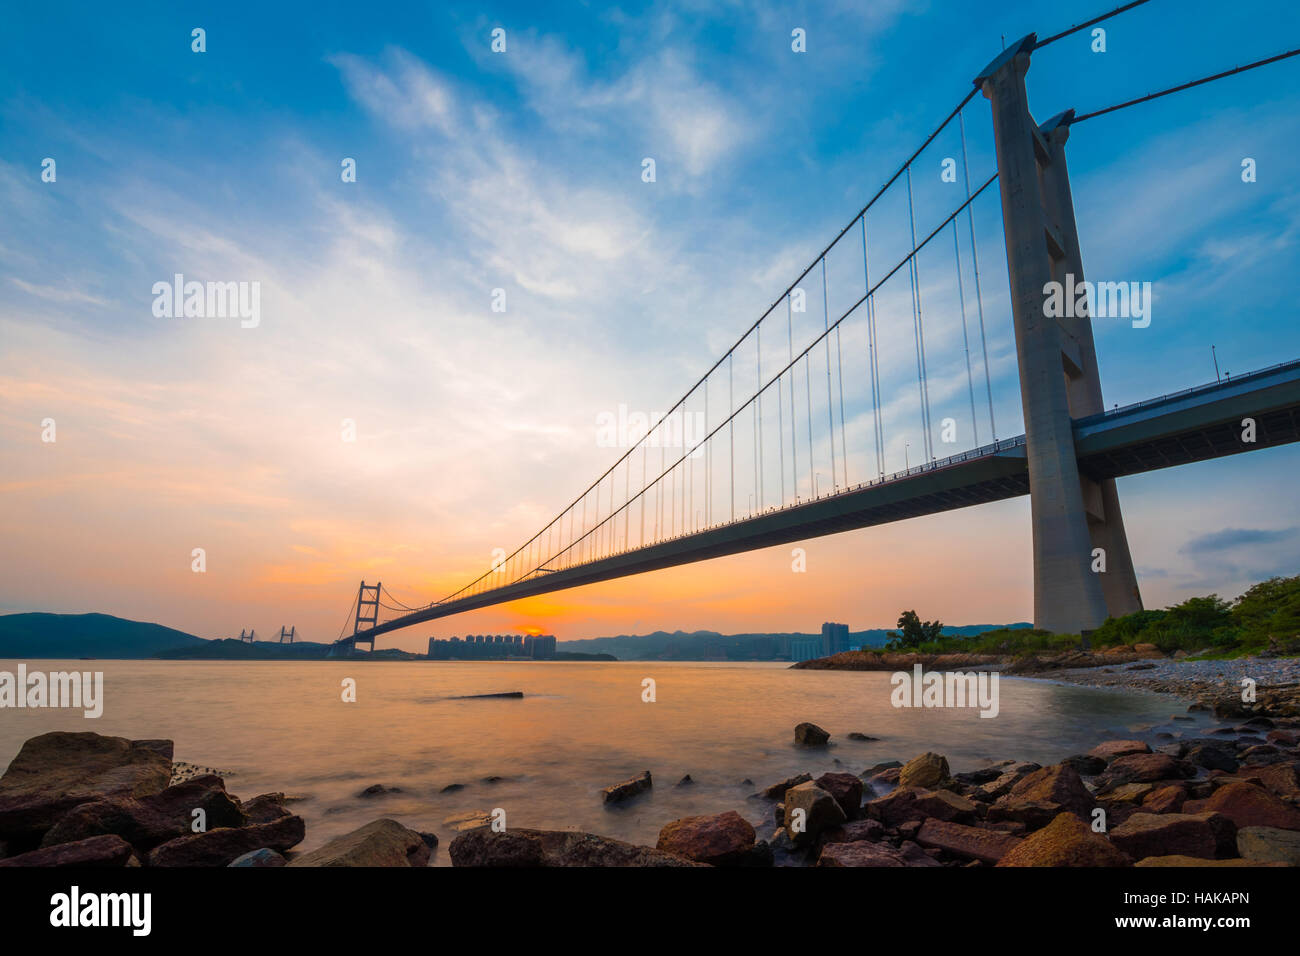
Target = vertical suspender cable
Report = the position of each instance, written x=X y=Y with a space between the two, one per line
x=758 y=412
x=830 y=401
x=872 y=348
x=731 y=427
x=920 y=330
x=794 y=445
x=965 y=339
x=975 y=262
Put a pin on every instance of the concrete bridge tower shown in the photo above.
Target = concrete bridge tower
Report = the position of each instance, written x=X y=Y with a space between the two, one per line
x=1077 y=524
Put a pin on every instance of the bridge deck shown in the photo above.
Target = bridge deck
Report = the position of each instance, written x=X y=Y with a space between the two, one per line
x=1194 y=425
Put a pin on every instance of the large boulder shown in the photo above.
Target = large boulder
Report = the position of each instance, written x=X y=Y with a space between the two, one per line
x=55 y=772
x=915 y=804
x=846 y=788
x=1001 y=785
x=720 y=839
x=970 y=843
x=853 y=831
x=148 y=821
x=1037 y=798
x=808 y=811
x=106 y=850
x=628 y=788
x=379 y=843
x=810 y=735
x=929 y=770
x=1281 y=778
x=564 y=848
x=1168 y=799
x=1066 y=841
x=1119 y=748
x=1214 y=755
x=1088 y=765
x=860 y=853
x=1165 y=834
x=265 y=808
x=224 y=845
x=1146 y=768
x=777 y=790
x=1247 y=805
x=1269 y=845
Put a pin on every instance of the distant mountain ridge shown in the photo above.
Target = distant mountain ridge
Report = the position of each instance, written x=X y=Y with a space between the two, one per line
x=713 y=645
x=43 y=635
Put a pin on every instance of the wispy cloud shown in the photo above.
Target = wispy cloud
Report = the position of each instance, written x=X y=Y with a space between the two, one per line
x=55 y=294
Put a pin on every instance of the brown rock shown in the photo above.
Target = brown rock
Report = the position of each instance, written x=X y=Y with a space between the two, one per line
x=1146 y=768
x=510 y=848
x=915 y=804
x=566 y=848
x=265 y=808
x=1269 y=845
x=1164 y=800
x=1119 y=748
x=846 y=788
x=149 y=821
x=808 y=811
x=929 y=771
x=1129 y=793
x=105 y=850
x=379 y=843
x=1040 y=796
x=810 y=735
x=1247 y=805
x=853 y=831
x=628 y=788
x=1001 y=786
x=972 y=843
x=55 y=772
x=220 y=847
x=1066 y=841
x=1164 y=834
x=1280 y=778
x=721 y=839
x=860 y=853
x=777 y=790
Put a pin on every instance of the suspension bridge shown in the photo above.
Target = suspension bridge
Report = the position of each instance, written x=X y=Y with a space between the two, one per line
x=776 y=444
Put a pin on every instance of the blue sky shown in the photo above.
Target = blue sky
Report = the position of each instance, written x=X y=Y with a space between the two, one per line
x=522 y=171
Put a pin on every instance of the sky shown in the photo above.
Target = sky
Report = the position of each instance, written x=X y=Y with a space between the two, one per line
x=380 y=420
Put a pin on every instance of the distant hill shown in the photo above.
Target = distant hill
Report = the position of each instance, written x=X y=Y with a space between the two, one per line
x=714 y=646
x=65 y=636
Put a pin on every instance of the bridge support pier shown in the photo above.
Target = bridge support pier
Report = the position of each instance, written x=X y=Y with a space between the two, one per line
x=1072 y=515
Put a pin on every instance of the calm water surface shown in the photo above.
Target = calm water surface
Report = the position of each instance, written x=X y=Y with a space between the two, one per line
x=580 y=727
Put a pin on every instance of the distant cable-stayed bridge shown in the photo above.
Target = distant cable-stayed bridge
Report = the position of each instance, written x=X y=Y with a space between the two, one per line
x=800 y=428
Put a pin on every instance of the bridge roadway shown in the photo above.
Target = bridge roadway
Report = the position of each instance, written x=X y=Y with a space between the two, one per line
x=1193 y=425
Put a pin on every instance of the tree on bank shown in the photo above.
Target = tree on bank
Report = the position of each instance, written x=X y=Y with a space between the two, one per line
x=915 y=632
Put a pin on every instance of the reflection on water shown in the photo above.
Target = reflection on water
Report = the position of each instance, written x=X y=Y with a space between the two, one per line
x=579 y=727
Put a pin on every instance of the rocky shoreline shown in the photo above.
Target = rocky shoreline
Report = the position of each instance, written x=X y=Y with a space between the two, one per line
x=1228 y=797
x=1214 y=685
